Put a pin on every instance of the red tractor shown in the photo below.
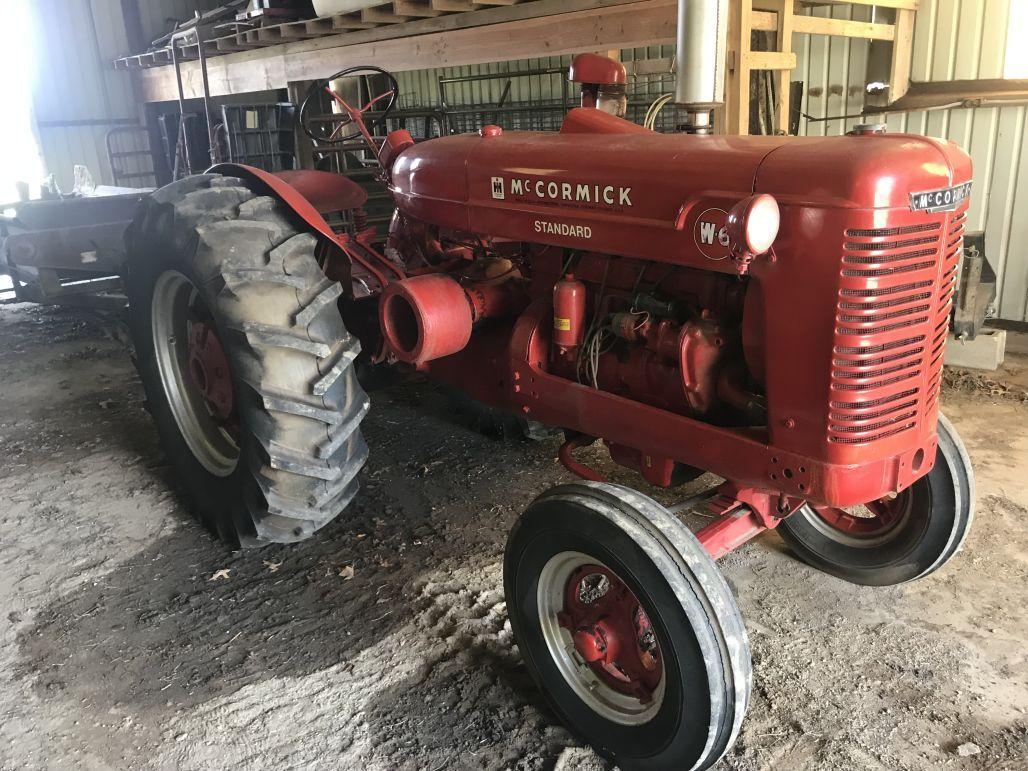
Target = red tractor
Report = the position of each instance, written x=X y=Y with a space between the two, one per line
x=769 y=309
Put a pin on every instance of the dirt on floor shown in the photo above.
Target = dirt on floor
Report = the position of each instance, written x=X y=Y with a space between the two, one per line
x=129 y=638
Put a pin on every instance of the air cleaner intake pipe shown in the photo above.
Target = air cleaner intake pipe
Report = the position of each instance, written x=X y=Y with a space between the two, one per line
x=431 y=316
x=700 y=60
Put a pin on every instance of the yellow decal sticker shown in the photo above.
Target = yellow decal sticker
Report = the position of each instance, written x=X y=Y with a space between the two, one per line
x=561 y=325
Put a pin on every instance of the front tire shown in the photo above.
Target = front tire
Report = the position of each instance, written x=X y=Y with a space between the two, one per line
x=904 y=538
x=627 y=627
x=222 y=286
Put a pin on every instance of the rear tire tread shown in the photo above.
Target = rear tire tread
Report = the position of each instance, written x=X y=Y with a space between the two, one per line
x=297 y=394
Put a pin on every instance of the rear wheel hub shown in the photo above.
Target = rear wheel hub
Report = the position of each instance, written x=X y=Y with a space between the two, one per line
x=209 y=369
x=195 y=373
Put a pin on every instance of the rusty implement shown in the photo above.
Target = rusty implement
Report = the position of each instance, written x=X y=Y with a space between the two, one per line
x=67 y=251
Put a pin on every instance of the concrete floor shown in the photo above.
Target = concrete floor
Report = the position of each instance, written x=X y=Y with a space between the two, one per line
x=383 y=644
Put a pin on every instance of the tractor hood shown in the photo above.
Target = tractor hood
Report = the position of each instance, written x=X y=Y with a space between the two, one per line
x=613 y=187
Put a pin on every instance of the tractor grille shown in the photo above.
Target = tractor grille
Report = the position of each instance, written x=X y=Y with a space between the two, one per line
x=891 y=324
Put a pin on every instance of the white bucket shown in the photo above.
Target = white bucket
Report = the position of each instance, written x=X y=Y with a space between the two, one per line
x=333 y=7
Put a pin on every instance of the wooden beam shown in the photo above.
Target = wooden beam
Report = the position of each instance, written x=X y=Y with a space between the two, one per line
x=767 y=21
x=415 y=8
x=910 y=5
x=455 y=6
x=366 y=33
x=381 y=15
x=902 y=55
x=600 y=25
x=735 y=117
x=819 y=25
x=786 y=20
x=770 y=60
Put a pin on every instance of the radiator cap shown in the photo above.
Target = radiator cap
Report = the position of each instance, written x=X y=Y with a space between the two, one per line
x=866 y=129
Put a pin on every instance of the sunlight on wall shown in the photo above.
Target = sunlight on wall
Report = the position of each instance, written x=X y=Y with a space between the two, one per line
x=19 y=150
x=1016 y=65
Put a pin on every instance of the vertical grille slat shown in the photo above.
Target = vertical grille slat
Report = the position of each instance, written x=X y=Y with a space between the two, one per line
x=892 y=316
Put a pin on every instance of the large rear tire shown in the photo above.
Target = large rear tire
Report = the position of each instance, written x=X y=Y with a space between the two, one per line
x=217 y=276
x=895 y=540
x=628 y=627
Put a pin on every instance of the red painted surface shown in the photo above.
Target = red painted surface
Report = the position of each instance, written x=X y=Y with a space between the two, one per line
x=612 y=632
x=568 y=312
x=281 y=189
x=209 y=370
x=425 y=317
x=842 y=325
x=325 y=191
x=741 y=513
x=582 y=120
x=601 y=70
x=810 y=371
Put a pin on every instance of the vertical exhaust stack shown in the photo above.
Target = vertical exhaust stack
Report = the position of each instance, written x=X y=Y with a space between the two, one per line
x=700 y=60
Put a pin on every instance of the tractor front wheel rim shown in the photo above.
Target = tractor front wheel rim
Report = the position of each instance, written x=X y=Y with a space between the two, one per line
x=869 y=525
x=600 y=638
x=194 y=373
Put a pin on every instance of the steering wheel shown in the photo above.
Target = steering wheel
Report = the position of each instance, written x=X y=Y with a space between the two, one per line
x=324 y=132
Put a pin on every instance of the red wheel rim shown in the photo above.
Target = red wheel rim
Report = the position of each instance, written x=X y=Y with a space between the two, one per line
x=209 y=370
x=195 y=373
x=871 y=520
x=612 y=632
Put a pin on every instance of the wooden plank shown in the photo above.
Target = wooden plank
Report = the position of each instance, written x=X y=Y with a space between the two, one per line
x=382 y=15
x=296 y=30
x=415 y=9
x=230 y=44
x=347 y=22
x=817 y=25
x=767 y=21
x=734 y=117
x=366 y=33
x=770 y=60
x=455 y=6
x=764 y=20
x=910 y=5
x=783 y=37
x=601 y=25
x=902 y=55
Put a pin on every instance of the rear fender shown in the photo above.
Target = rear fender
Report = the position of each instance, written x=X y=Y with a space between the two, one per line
x=308 y=194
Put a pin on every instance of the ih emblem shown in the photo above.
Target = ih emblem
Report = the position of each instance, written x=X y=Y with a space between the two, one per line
x=498 y=188
x=711 y=234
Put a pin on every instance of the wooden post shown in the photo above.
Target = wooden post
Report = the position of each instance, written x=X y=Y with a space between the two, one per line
x=902 y=54
x=783 y=78
x=737 y=82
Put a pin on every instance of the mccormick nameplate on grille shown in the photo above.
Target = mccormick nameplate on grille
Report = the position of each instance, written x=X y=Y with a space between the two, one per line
x=946 y=199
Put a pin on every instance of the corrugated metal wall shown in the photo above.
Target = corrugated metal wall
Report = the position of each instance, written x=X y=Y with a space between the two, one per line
x=953 y=40
x=78 y=96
